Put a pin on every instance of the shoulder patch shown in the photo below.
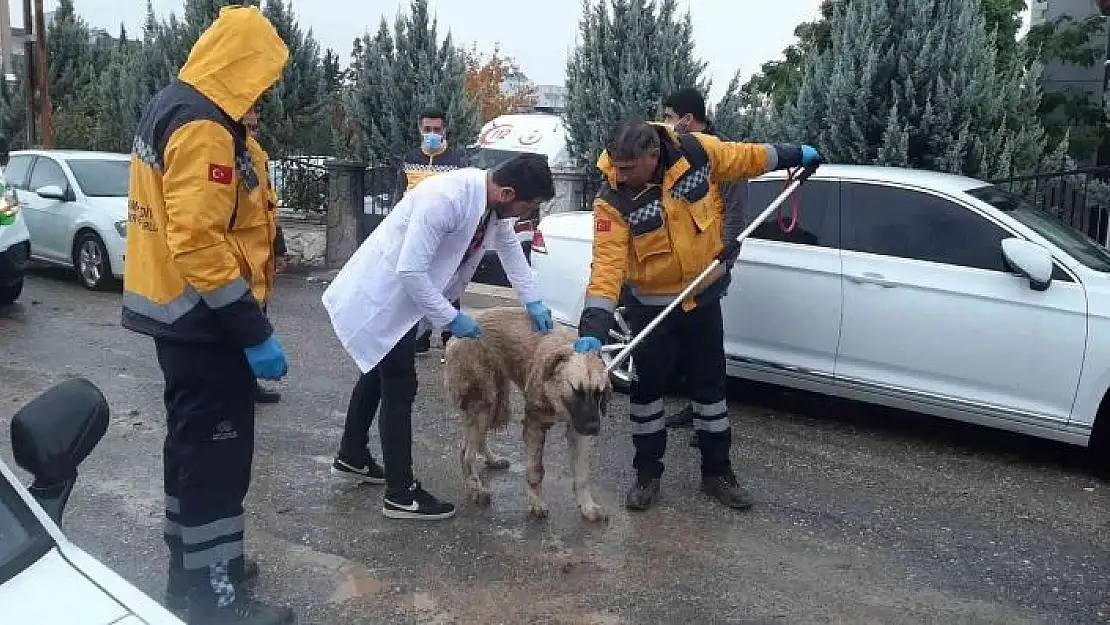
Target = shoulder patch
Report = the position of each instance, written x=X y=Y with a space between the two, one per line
x=220 y=174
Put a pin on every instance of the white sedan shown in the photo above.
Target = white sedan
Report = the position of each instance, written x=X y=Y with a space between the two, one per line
x=915 y=290
x=44 y=578
x=75 y=206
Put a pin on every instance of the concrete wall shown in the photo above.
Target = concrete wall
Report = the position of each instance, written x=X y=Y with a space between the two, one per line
x=306 y=242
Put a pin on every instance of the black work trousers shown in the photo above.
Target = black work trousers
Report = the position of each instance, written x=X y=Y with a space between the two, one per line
x=207 y=455
x=392 y=383
x=694 y=342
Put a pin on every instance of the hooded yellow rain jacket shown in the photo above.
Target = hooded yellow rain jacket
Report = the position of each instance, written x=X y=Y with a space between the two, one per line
x=200 y=232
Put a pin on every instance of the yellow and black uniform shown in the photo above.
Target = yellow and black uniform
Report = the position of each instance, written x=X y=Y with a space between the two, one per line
x=200 y=236
x=657 y=240
x=199 y=262
x=417 y=165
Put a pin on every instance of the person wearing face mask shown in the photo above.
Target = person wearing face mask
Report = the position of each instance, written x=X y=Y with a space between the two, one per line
x=685 y=111
x=433 y=156
x=405 y=276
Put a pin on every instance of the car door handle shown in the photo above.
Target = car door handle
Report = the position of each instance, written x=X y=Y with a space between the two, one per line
x=870 y=277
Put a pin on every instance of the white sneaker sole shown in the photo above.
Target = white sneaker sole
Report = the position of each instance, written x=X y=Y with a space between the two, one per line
x=357 y=477
x=392 y=513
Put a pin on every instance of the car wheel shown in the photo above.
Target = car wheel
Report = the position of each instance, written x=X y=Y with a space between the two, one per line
x=621 y=377
x=10 y=293
x=90 y=259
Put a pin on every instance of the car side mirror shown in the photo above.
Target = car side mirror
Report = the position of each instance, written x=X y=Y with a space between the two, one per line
x=52 y=192
x=53 y=434
x=1030 y=261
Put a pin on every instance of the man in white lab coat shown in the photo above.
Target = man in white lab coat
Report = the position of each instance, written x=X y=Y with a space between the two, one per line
x=401 y=280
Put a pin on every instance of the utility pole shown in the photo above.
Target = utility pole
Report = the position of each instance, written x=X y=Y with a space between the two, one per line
x=29 y=69
x=6 y=39
x=44 y=91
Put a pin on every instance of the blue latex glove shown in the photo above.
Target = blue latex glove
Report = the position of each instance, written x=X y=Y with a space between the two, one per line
x=267 y=359
x=587 y=344
x=464 y=327
x=541 y=316
x=810 y=156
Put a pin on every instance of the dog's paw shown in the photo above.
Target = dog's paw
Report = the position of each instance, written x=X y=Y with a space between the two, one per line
x=594 y=513
x=538 y=509
x=480 y=497
x=497 y=463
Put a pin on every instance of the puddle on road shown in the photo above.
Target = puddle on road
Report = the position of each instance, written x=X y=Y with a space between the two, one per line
x=359 y=584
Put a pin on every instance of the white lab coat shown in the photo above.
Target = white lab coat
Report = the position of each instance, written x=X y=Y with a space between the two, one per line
x=426 y=233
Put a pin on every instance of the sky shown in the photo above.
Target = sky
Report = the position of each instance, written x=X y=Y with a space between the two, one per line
x=730 y=34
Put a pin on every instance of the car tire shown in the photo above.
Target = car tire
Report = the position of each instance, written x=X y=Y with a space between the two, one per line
x=619 y=384
x=90 y=260
x=10 y=293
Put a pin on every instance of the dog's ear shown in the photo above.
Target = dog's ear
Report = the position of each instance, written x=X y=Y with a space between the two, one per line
x=556 y=360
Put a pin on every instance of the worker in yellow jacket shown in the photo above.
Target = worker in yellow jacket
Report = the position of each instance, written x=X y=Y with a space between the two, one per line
x=199 y=262
x=657 y=225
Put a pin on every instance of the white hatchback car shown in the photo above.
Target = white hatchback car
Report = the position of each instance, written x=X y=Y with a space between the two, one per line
x=44 y=578
x=75 y=206
x=910 y=289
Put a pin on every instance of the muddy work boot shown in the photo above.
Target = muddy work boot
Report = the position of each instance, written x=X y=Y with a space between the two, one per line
x=725 y=489
x=177 y=589
x=203 y=610
x=643 y=494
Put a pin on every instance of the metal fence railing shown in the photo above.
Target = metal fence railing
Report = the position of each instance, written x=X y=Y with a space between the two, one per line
x=301 y=186
x=1079 y=198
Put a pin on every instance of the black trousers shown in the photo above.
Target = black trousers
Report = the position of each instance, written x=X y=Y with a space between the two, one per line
x=694 y=342
x=207 y=455
x=392 y=383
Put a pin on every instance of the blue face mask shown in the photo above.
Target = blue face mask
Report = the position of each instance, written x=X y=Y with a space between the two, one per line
x=433 y=141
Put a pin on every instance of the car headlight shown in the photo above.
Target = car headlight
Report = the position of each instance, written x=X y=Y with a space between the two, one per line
x=121 y=228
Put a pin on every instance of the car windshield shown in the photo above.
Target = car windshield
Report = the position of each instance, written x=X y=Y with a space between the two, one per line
x=22 y=539
x=101 y=178
x=1076 y=244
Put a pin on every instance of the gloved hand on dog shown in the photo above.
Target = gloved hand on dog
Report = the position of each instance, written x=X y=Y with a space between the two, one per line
x=541 y=316
x=463 y=326
x=587 y=344
x=267 y=359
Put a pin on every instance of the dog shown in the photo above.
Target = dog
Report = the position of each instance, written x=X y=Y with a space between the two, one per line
x=559 y=386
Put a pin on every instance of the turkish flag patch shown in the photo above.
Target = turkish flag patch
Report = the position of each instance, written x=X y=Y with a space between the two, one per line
x=604 y=225
x=220 y=174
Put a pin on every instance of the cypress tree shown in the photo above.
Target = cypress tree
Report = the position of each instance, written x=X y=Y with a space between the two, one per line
x=398 y=74
x=918 y=83
x=629 y=56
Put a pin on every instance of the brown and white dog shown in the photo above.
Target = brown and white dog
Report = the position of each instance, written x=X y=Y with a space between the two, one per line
x=559 y=386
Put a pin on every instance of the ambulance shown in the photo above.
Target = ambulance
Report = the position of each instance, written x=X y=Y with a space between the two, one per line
x=499 y=140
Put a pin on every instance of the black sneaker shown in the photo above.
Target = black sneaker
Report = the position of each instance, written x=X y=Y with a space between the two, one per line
x=424 y=343
x=725 y=489
x=643 y=494
x=177 y=592
x=368 y=473
x=243 y=611
x=416 y=503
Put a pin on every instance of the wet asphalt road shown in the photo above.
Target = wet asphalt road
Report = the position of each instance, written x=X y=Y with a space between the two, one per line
x=863 y=515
